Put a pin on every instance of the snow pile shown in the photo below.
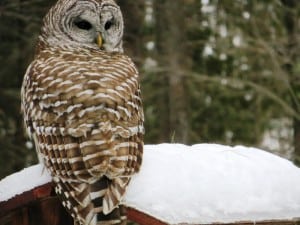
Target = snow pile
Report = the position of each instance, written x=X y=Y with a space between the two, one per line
x=23 y=181
x=203 y=183
x=209 y=183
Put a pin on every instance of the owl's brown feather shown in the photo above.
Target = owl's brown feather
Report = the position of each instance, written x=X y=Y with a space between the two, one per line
x=84 y=109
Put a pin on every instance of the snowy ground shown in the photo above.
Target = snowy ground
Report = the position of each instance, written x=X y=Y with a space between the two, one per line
x=203 y=183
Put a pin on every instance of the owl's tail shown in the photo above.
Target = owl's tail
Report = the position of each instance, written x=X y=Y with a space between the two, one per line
x=94 y=204
x=106 y=196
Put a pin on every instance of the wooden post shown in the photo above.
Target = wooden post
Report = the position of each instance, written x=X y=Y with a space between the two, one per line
x=41 y=206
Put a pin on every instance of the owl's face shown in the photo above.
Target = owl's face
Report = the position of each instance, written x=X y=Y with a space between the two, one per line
x=84 y=23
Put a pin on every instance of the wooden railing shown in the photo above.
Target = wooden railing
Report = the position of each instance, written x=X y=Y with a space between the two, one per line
x=40 y=206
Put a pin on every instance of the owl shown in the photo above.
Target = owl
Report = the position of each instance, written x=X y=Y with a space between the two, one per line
x=81 y=104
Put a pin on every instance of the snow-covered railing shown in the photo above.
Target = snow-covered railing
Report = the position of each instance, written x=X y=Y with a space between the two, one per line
x=178 y=184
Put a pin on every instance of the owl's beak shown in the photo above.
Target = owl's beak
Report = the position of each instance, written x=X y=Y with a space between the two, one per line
x=99 y=40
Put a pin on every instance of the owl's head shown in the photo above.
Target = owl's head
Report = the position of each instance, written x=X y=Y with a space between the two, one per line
x=84 y=23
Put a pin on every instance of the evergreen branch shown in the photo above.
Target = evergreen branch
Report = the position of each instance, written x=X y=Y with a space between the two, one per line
x=234 y=82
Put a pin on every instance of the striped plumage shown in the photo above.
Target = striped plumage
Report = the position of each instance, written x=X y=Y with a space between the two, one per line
x=82 y=107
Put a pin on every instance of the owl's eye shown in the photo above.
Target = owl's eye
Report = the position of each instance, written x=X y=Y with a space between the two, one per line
x=108 y=24
x=83 y=24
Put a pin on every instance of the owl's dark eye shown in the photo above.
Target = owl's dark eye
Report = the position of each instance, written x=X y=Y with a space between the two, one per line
x=83 y=24
x=108 y=24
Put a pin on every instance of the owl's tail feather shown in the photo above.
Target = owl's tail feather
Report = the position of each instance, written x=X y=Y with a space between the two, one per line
x=94 y=204
x=75 y=197
x=116 y=217
x=114 y=194
x=106 y=196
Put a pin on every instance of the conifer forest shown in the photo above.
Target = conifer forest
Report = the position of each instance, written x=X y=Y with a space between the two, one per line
x=211 y=71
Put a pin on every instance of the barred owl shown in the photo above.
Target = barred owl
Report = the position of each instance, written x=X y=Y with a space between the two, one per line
x=81 y=105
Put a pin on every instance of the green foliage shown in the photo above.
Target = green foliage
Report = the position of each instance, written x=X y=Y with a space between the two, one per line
x=19 y=26
x=237 y=61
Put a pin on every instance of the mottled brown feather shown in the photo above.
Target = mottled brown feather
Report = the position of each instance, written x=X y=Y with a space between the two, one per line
x=87 y=116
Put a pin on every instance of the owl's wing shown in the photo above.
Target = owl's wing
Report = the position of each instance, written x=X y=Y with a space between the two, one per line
x=88 y=111
x=86 y=115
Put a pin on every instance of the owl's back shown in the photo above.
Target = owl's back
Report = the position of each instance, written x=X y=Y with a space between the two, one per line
x=84 y=111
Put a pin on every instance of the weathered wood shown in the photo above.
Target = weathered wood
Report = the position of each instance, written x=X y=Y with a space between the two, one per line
x=142 y=218
x=48 y=211
x=41 y=206
x=273 y=222
x=25 y=198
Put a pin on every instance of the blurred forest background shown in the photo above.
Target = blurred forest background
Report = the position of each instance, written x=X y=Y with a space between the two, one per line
x=222 y=71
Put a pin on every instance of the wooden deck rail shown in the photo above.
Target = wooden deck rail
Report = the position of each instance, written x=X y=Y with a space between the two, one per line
x=40 y=206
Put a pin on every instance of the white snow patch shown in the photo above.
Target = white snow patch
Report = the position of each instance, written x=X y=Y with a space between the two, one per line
x=279 y=137
x=237 y=40
x=209 y=183
x=246 y=15
x=203 y=183
x=208 y=50
x=204 y=2
x=23 y=181
x=223 y=31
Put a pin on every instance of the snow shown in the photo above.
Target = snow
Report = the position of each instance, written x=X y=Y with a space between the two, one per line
x=23 y=181
x=208 y=183
x=203 y=183
x=278 y=138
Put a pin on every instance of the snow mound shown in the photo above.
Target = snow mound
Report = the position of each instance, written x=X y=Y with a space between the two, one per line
x=203 y=183
x=208 y=183
x=23 y=181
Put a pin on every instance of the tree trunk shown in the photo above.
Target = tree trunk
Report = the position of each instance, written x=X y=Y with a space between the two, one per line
x=293 y=47
x=170 y=41
x=133 y=13
x=297 y=142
